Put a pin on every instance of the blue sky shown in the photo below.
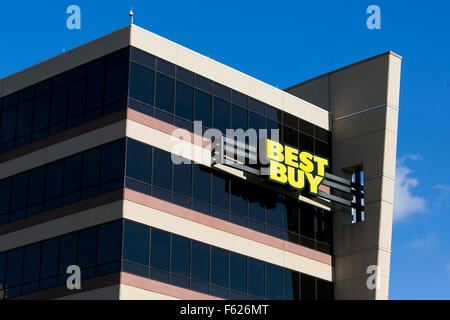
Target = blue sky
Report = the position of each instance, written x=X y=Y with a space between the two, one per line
x=286 y=42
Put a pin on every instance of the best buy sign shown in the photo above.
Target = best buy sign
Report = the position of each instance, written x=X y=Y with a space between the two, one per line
x=291 y=166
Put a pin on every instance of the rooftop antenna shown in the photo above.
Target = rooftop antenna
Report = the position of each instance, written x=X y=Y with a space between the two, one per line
x=131 y=14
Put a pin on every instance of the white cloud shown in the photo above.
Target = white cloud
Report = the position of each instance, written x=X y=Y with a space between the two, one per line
x=430 y=241
x=406 y=203
x=442 y=197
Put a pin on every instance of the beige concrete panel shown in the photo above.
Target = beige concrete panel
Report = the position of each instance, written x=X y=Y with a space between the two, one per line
x=132 y=293
x=359 y=124
x=392 y=119
x=353 y=289
x=63 y=149
x=382 y=290
x=368 y=150
x=384 y=215
x=106 y=293
x=68 y=60
x=265 y=93
x=359 y=87
x=393 y=96
x=225 y=240
x=64 y=225
x=379 y=188
x=316 y=91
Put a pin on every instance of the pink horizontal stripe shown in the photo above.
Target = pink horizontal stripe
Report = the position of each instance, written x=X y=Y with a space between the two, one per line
x=164 y=127
x=225 y=226
x=163 y=288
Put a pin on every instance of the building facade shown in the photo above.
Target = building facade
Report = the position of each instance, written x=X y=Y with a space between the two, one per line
x=87 y=178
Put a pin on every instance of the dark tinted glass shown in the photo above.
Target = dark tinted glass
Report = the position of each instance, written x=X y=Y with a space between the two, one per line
x=185 y=76
x=36 y=186
x=116 y=83
x=77 y=98
x=59 y=105
x=5 y=193
x=201 y=183
x=165 y=67
x=307 y=287
x=67 y=252
x=184 y=100
x=139 y=160
x=61 y=80
x=14 y=267
x=8 y=125
x=182 y=179
x=143 y=58
x=32 y=261
x=324 y=290
x=87 y=250
x=162 y=169
x=222 y=92
x=274 y=282
x=220 y=189
x=290 y=120
x=306 y=142
x=109 y=242
x=91 y=168
x=256 y=106
x=239 y=118
x=41 y=111
x=24 y=118
x=96 y=66
x=2 y=273
x=291 y=216
x=256 y=121
x=306 y=220
x=238 y=199
x=203 y=83
x=94 y=94
x=290 y=136
x=49 y=267
x=306 y=127
x=239 y=99
x=203 y=108
x=54 y=180
x=72 y=174
x=200 y=261
x=136 y=242
x=112 y=161
x=219 y=267
x=221 y=115
x=142 y=81
x=238 y=272
x=274 y=212
x=273 y=114
x=256 y=277
x=180 y=255
x=19 y=191
x=160 y=249
x=290 y=285
x=164 y=92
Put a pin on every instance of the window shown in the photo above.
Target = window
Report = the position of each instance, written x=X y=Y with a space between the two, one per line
x=112 y=165
x=59 y=105
x=184 y=100
x=116 y=83
x=5 y=193
x=220 y=190
x=87 y=251
x=67 y=255
x=256 y=106
x=308 y=287
x=72 y=181
x=202 y=183
x=8 y=126
x=24 y=119
x=219 y=267
x=324 y=290
x=139 y=159
x=40 y=120
x=221 y=115
x=94 y=94
x=19 y=196
x=2 y=275
x=164 y=92
x=32 y=261
x=14 y=272
x=238 y=272
x=162 y=169
x=291 y=216
x=49 y=266
x=180 y=255
x=160 y=249
x=290 y=136
x=142 y=82
x=54 y=184
x=136 y=243
x=256 y=277
x=143 y=58
x=239 y=118
x=238 y=199
x=36 y=190
x=306 y=142
x=291 y=285
x=203 y=108
x=200 y=261
x=307 y=220
x=109 y=242
x=256 y=121
x=91 y=172
x=182 y=178
x=274 y=282
x=77 y=99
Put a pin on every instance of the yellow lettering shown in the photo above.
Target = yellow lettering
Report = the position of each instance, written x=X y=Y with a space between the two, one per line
x=306 y=162
x=274 y=151
x=278 y=172
x=314 y=182
x=321 y=164
x=291 y=156
x=298 y=183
